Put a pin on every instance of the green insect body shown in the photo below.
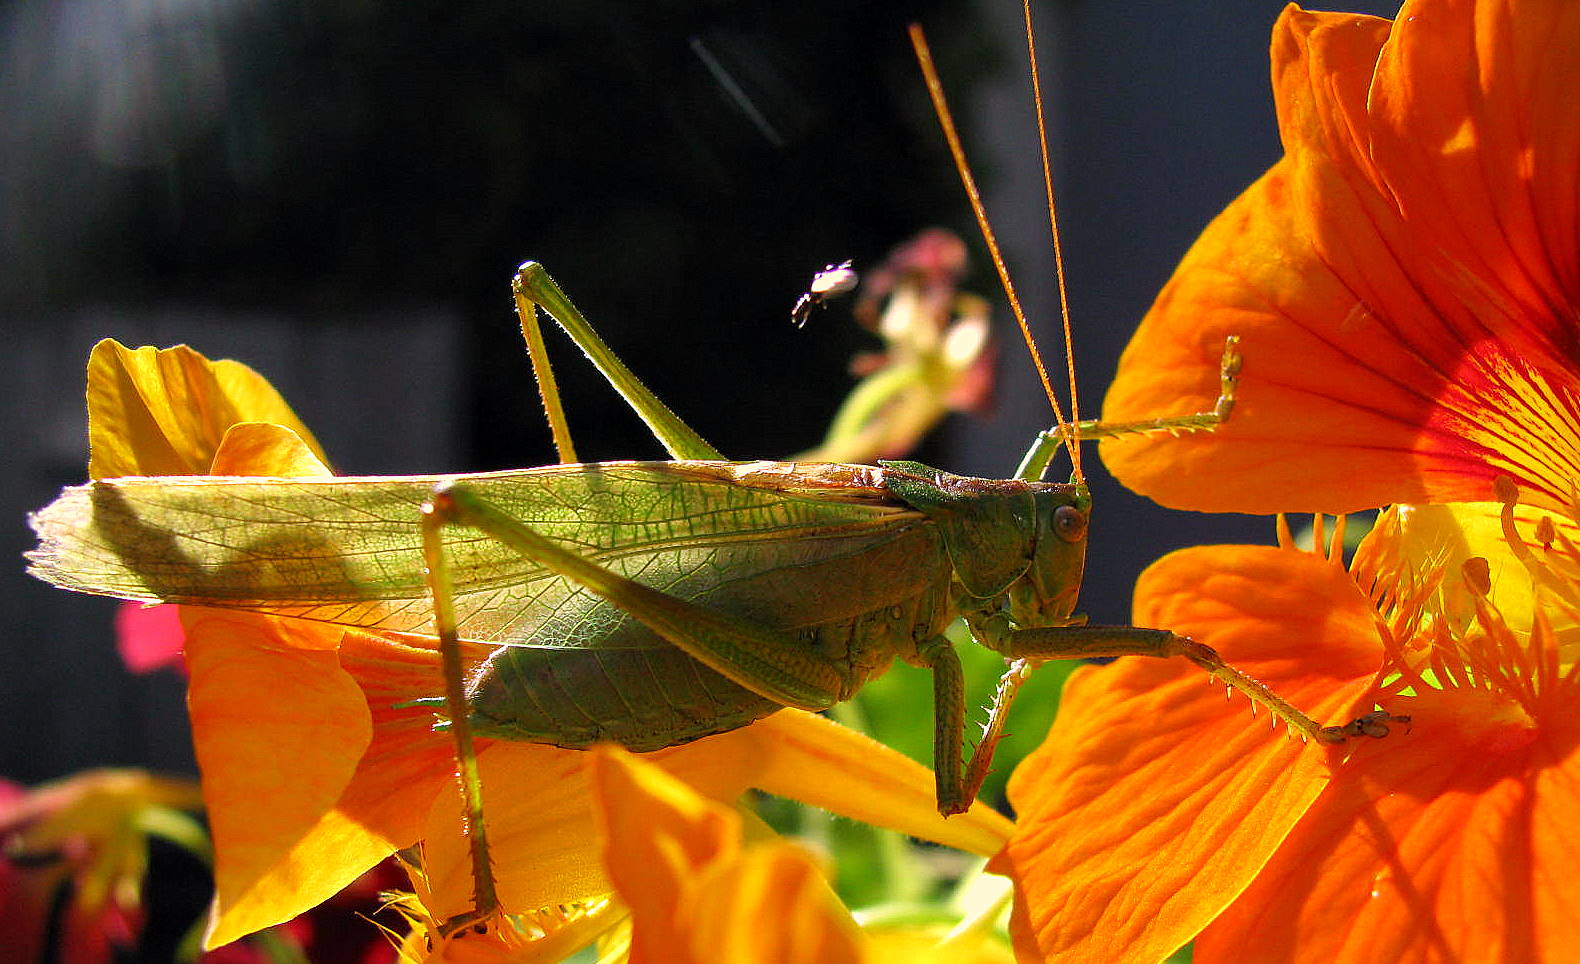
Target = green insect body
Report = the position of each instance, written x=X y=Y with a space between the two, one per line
x=856 y=564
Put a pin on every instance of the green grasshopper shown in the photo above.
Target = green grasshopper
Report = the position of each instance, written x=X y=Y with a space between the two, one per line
x=644 y=603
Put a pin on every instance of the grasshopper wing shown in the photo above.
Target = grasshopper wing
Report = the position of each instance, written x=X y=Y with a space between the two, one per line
x=348 y=550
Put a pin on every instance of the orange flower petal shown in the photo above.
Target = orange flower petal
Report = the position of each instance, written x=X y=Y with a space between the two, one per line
x=278 y=731
x=263 y=448
x=658 y=836
x=164 y=412
x=1474 y=103
x=1154 y=801
x=291 y=840
x=1456 y=841
x=771 y=905
x=408 y=763
x=540 y=821
x=1406 y=321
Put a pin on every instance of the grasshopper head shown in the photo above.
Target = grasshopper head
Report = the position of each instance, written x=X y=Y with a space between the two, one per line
x=1046 y=593
x=1006 y=538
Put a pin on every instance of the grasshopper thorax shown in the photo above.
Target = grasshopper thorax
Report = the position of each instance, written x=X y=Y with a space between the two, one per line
x=1022 y=543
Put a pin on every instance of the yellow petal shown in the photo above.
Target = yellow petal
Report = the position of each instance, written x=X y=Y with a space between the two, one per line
x=164 y=411
x=817 y=761
x=927 y=945
x=540 y=818
x=676 y=859
x=1420 y=542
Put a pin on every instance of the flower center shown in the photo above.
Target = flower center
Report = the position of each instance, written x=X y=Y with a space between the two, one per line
x=1483 y=719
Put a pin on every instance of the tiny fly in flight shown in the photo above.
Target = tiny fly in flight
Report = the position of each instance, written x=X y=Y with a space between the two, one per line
x=833 y=281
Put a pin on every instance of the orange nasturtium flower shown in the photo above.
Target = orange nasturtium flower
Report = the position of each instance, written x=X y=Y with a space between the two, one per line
x=1405 y=282
x=314 y=765
x=1406 y=285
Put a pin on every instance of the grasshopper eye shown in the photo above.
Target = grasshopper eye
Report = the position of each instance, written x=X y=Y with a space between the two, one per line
x=1070 y=523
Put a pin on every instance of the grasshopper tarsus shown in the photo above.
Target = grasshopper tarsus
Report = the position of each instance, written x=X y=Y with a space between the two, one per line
x=1373 y=724
x=474 y=921
x=1206 y=420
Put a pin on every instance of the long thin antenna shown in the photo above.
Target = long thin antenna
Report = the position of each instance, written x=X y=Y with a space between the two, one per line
x=935 y=89
x=1058 y=248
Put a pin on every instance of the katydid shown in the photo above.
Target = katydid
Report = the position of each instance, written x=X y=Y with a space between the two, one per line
x=645 y=603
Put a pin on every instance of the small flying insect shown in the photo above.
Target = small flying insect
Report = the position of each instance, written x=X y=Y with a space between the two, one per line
x=832 y=282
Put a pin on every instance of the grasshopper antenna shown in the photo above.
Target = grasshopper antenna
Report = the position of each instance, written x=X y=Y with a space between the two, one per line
x=935 y=90
x=1073 y=441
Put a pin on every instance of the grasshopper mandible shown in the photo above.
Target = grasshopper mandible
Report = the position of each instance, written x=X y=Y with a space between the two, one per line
x=645 y=603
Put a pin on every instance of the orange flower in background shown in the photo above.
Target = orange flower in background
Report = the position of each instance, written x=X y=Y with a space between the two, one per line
x=1405 y=281
x=315 y=765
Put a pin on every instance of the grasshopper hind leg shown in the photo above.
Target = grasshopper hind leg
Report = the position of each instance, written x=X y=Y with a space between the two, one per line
x=485 y=896
x=770 y=665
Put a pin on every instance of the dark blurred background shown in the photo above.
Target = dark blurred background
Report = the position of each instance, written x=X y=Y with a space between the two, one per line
x=337 y=191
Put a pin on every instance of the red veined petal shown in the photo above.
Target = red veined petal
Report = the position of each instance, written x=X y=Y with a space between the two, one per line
x=1154 y=801
x=1394 y=349
x=1456 y=841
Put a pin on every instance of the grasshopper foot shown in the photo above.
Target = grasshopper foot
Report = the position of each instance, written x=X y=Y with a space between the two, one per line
x=475 y=921
x=1373 y=724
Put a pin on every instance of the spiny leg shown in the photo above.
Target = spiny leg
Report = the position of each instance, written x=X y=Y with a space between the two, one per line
x=958 y=782
x=763 y=660
x=1048 y=443
x=533 y=288
x=1088 y=642
x=485 y=898
x=982 y=757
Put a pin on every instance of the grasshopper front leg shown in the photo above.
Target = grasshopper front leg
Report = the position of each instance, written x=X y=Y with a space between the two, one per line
x=1096 y=642
x=959 y=782
x=1037 y=459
